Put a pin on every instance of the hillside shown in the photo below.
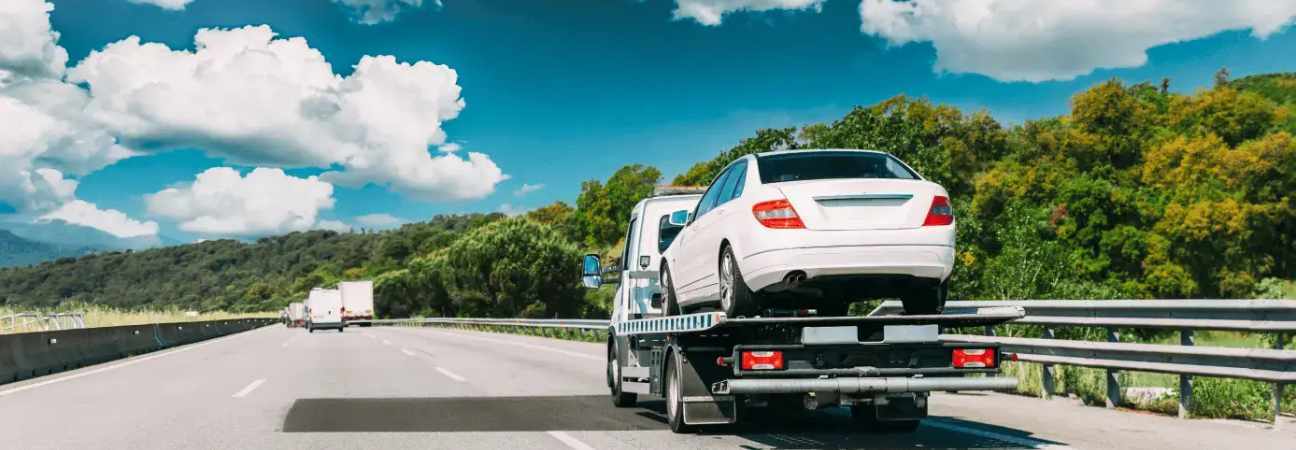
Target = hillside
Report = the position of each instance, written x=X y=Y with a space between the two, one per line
x=226 y=274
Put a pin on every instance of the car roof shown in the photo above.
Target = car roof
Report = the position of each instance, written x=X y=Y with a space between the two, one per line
x=814 y=150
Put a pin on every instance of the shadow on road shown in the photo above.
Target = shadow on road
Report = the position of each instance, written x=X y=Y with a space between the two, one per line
x=829 y=428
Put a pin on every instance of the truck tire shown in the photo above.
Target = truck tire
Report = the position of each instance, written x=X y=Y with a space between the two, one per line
x=670 y=304
x=925 y=298
x=340 y=329
x=620 y=399
x=674 y=394
x=310 y=329
x=735 y=299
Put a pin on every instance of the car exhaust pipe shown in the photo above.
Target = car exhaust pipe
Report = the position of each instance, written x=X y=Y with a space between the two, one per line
x=793 y=278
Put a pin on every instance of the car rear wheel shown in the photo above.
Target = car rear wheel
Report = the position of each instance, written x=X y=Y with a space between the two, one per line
x=735 y=299
x=925 y=298
x=670 y=304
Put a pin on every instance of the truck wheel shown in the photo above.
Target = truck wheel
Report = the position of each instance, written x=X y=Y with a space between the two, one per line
x=340 y=329
x=619 y=399
x=310 y=330
x=670 y=304
x=925 y=298
x=675 y=396
x=735 y=299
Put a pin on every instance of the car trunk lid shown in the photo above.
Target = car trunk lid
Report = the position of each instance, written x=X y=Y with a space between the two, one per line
x=860 y=204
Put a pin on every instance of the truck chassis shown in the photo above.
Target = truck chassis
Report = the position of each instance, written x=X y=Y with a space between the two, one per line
x=712 y=370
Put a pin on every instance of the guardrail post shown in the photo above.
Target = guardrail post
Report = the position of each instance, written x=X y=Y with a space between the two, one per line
x=989 y=330
x=1047 y=380
x=1185 y=381
x=1279 y=342
x=1113 y=384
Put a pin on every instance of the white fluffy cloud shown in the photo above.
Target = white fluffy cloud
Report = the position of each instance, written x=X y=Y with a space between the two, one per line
x=1029 y=40
x=261 y=101
x=173 y=5
x=28 y=46
x=527 y=188
x=81 y=212
x=370 y=12
x=220 y=202
x=711 y=12
x=379 y=220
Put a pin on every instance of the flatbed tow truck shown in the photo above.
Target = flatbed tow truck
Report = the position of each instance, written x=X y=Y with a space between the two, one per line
x=714 y=370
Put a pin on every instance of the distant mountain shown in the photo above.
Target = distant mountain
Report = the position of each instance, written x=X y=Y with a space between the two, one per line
x=24 y=243
x=16 y=251
x=58 y=232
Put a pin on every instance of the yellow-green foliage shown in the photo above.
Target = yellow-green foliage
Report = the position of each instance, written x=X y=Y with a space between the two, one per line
x=100 y=316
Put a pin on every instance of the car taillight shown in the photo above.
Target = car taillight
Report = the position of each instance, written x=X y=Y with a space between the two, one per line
x=940 y=213
x=777 y=214
x=762 y=360
x=971 y=358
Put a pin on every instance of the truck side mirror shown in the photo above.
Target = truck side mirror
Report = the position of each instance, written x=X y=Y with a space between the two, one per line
x=679 y=218
x=592 y=271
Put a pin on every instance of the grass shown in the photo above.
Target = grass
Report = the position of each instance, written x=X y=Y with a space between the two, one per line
x=99 y=316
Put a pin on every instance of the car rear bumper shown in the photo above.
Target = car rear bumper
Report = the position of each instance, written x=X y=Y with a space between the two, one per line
x=920 y=261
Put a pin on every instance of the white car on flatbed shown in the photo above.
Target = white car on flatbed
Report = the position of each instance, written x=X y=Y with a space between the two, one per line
x=812 y=229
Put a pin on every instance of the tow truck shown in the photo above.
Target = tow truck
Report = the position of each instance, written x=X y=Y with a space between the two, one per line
x=712 y=369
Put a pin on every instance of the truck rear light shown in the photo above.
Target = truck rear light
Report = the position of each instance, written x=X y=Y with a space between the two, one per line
x=777 y=214
x=973 y=358
x=940 y=212
x=762 y=360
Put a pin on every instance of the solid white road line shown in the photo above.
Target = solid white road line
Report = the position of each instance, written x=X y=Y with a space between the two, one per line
x=1015 y=440
x=132 y=362
x=248 y=390
x=569 y=441
x=450 y=375
x=527 y=345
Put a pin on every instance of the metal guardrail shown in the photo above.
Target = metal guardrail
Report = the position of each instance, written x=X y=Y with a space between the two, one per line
x=1276 y=365
x=30 y=321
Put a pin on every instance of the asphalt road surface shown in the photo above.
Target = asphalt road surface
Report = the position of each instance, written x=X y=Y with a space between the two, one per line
x=434 y=388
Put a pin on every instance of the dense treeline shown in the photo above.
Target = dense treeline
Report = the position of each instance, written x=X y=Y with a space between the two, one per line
x=1136 y=192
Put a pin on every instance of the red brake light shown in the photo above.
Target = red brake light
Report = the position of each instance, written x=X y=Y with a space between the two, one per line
x=940 y=212
x=777 y=214
x=762 y=360
x=973 y=358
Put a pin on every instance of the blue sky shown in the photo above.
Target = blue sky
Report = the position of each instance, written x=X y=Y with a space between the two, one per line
x=557 y=92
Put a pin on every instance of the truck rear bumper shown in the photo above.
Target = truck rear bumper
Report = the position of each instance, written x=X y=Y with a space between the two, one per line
x=861 y=385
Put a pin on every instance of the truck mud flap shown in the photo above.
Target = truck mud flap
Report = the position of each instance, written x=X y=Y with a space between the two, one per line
x=700 y=406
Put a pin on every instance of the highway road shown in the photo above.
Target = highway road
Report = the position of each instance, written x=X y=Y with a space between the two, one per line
x=434 y=388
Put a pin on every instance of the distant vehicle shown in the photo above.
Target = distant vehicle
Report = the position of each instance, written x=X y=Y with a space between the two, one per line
x=324 y=310
x=297 y=314
x=357 y=300
x=812 y=229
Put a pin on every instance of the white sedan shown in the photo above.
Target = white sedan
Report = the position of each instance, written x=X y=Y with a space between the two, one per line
x=812 y=229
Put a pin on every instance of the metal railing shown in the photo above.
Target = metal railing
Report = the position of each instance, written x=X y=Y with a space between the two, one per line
x=30 y=321
x=1275 y=365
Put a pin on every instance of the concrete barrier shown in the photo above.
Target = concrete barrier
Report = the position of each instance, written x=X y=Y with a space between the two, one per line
x=27 y=355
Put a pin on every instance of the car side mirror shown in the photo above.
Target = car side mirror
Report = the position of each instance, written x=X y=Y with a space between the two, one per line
x=679 y=218
x=592 y=271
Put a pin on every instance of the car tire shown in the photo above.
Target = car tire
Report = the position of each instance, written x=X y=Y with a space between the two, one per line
x=620 y=399
x=735 y=299
x=670 y=304
x=674 y=394
x=925 y=298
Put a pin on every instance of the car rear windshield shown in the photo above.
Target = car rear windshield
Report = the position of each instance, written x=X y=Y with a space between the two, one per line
x=829 y=165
